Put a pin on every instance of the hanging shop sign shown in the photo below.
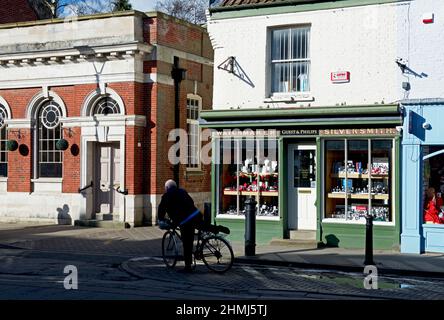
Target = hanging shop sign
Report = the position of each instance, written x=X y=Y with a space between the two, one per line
x=340 y=77
x=359 y=132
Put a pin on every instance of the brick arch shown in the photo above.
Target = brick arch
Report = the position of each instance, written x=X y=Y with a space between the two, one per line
x=5 y=104
x=39 y=99
x=91 y=99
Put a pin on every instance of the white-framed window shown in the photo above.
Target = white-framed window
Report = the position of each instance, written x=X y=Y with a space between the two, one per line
x=106 y=106
x=290 y=60
x=3 y=141
x=49 y=131
x=194 y=106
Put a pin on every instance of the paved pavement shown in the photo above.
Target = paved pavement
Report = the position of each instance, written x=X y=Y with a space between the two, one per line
x=116 y=264
x=146 y=242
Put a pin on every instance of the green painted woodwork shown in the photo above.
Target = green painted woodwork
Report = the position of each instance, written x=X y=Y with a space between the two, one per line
x=376 y=109
x=319 y=198
x=288 y=7
x=265 y=230
x=352 y=236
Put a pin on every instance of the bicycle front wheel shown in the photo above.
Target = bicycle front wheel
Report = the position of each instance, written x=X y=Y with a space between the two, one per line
x=217 y=254
x=170 y=251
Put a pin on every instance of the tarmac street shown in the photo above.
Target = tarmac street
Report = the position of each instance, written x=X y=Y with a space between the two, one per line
x=47 y=262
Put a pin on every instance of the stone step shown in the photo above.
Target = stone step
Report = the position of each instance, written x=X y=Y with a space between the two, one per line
x=295 y=244
x=107 y=217
x=302 y=235
x=102 y=224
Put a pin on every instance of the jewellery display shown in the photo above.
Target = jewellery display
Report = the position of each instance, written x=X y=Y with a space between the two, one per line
x=353 y=182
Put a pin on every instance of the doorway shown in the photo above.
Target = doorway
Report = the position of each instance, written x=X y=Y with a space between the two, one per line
x=302 y=187
x=107 y=180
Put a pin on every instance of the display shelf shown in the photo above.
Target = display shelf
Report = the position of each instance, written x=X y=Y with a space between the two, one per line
x=341 y=195
x=357 y=176
x=251 y=193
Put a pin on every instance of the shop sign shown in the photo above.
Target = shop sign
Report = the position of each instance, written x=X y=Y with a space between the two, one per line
x=247 y=133
x=340 y=77
x=300 y=132
x=359 y=132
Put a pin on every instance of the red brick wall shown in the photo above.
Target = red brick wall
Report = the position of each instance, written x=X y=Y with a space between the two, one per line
x=16 y=11
x=20 y=163
x=173 y=33
x=71 y=161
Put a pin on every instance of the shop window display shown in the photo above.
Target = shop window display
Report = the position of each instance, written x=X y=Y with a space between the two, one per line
x=358 y=175
x=433 y=186
x=248 y=168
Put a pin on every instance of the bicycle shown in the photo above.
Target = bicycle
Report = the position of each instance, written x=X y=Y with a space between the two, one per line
x=213 y=249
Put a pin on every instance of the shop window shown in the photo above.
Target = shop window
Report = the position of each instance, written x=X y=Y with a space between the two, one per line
x=106 y=106
x=3 y=141
x=290 y=60
x=194 y=105
x=248 y=168
x=433 y=185
x=358 y=177
x=49 y=132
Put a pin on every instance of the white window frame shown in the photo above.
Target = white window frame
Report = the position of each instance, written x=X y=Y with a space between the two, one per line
x=278 y=94
x=3 y=130
x=37 y=141
x=199 y=133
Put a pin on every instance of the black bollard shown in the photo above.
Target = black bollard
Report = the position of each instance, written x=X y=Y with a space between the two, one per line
x=207 y=213
x=369 y=241
x=250 y=227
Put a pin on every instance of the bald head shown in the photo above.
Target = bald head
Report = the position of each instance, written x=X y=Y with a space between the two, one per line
x=170 y=185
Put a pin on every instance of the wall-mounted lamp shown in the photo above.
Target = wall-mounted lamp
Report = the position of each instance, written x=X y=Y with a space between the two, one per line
x=426 y=126
x=17 y=133
x=70 y=132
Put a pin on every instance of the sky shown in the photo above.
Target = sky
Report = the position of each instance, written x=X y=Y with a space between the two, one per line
x=143 y=5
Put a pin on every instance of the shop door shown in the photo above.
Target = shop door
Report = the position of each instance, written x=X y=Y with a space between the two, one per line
x=302 y=187
x=107 y=178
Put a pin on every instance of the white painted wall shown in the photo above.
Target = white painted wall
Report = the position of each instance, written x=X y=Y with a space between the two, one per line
x=52 y=207
x=364 y=40
x=422 y=45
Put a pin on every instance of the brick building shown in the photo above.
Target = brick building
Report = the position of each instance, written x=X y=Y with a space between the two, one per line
x=23 y=10
x=89 y=105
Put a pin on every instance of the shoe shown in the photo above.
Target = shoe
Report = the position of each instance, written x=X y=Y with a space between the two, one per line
x=185 y=270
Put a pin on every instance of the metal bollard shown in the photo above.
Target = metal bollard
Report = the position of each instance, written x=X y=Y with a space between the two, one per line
x=369 y=241
x=207 y=213
x=250 y=227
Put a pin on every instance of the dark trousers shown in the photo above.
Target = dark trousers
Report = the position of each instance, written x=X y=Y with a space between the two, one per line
x=187 y=233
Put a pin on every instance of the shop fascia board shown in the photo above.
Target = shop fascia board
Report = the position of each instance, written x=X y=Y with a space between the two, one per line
x=282 y=7
x=301 y=112
x=303 y=122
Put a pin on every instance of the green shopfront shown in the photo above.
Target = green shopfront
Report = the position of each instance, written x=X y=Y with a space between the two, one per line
x=314 y=172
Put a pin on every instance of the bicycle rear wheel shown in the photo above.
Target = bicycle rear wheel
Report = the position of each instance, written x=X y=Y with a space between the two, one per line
x=217 y=254
x=170 y=251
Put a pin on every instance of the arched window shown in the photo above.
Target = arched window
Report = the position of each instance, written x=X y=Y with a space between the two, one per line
x=49 y=131
x=3 y=140
x=106 y=106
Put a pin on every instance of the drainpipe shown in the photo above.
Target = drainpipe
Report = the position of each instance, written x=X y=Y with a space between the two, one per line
x=178 y=76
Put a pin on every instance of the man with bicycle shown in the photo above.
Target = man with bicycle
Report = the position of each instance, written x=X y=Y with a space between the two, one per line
x=182 y=212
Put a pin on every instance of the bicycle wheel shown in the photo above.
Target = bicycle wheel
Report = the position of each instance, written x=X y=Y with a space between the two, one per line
x=217 y=254
x=170 y=251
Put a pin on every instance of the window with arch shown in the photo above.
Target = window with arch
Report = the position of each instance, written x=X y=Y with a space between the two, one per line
x=49 y=131
x=106 y=106
x=3 y=141
x=194 y=106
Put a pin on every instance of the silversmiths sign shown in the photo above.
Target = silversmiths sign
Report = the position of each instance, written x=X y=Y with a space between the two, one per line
x=359 y=132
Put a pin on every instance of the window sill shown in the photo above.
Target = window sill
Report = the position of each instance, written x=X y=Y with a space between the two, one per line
x=290 y=97
x=359 y=222
x=241 y=217
x=433 y=225
x=47 y=180
x=3 y=179
x=194 y=172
